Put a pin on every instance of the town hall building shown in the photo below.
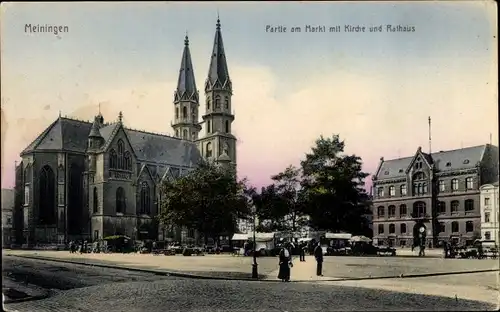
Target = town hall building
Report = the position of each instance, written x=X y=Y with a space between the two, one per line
x=90 y=180
x=432 y=196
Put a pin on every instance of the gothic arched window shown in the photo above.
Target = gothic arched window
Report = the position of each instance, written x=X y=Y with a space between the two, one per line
x=113 y=160
x=121 y=150
x=227 y=126
x=209 y=126
x=226 y=102
x=184 y=112
x=184 y=134
x=145 y=199
x=217 y=102
x=47 y=196
x=96 y=200
x=209 y=149
x=177 y=133
x=127 y=161
x=120 y=200
x=176 y=112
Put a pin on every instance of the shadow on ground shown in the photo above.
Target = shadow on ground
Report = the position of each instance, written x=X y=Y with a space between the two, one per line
x=244 y=296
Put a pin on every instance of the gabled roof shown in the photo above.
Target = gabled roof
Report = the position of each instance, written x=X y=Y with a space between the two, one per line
x=427 y=158
x=145 y=168
x=71 y=135
x=459 y=159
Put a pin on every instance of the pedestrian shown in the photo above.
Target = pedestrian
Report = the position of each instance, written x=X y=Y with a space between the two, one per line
x=285 y=263
x=445 y=246
x=421 y=252
x=303 y=248
x=318 y=254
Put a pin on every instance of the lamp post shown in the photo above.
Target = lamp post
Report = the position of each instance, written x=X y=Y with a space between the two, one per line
x=255 y=272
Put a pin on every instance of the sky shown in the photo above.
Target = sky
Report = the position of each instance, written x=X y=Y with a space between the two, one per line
x=376 y=90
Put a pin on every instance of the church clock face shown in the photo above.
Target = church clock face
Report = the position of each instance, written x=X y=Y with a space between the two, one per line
x=421 y=230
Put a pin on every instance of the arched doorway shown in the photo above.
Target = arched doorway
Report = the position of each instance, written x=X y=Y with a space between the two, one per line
x=47 y=197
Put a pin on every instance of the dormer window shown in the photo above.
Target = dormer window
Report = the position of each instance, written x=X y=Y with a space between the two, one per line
x=466 y=161
x=401 y=170
x=386 y=173
x=448 y=164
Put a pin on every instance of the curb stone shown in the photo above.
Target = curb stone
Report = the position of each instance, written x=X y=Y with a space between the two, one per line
x=264 y=279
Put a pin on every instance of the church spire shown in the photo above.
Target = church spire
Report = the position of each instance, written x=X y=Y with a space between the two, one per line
x=186 y=85
x=218 y=74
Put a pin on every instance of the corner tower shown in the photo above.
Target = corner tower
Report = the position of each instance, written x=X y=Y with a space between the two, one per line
x=186 y=100
x=218 y=142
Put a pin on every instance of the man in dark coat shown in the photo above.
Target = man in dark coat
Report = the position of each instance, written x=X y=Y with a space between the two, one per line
x=318 y=254
x=303 y=248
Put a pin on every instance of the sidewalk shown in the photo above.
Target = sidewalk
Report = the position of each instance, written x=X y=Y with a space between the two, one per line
x=304 y=272
x=406 y=252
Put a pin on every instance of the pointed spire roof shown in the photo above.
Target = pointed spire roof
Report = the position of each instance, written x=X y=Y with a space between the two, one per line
x=218 y=73
x=186 y=85
x=94 y=131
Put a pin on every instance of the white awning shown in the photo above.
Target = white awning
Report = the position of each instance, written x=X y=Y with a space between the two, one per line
x=263 y=236
x=338 y=235
x=237 y=237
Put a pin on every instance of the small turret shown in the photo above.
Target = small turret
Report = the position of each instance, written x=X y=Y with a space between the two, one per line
x=95 y=141
x=95 y=138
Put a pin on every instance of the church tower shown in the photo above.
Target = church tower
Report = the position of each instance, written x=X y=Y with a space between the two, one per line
x=186 y=100
x=218 y=143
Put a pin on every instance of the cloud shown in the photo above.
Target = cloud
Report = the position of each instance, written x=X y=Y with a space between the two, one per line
x=376 y=115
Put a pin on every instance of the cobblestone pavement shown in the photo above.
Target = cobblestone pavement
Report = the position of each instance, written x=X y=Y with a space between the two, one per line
x=120 y=290
x=212 y=295
x=62 y=276
x=470 y=286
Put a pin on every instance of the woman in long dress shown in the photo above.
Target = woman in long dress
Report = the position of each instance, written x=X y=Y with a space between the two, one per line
x=285 y=261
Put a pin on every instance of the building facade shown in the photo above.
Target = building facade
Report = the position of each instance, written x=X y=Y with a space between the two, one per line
x=7 y=220
x=90 y=180
x=490 y=216
x=438 y=194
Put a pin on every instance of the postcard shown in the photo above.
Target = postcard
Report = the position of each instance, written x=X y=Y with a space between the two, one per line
x=250 y=156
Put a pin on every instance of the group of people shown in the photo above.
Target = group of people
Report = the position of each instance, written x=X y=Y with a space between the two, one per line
x=285 y=260
x=84 y=247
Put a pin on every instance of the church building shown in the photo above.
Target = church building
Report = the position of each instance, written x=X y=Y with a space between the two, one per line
x=90 y=180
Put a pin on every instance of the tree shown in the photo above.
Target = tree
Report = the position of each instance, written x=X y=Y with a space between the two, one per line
x=333 y=188
x=288 y=189
x=208 y=199
x=270 y=209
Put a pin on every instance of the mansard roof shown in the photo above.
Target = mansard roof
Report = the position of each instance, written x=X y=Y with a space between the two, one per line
x=452 y=160
x=71 y=135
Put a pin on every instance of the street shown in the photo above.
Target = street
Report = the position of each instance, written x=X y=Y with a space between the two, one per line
x=88 y=288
